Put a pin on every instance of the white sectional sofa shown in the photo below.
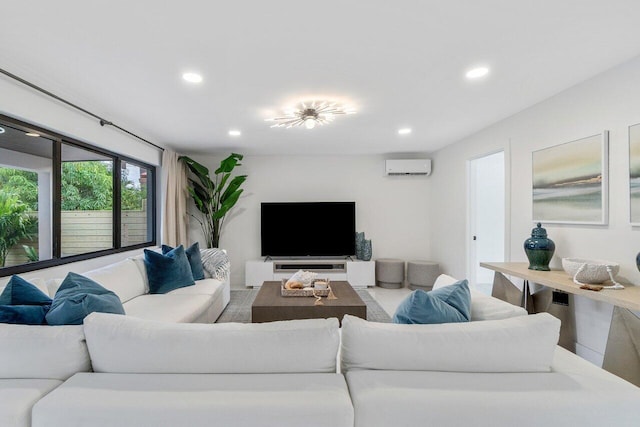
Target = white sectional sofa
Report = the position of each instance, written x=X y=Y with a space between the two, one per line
x=504 y=369
x=34 y=360
x=498 y=373
x=273 y=374
x=200 y=303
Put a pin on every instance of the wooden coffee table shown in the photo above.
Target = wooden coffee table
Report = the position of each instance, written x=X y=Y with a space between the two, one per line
x=270 y=306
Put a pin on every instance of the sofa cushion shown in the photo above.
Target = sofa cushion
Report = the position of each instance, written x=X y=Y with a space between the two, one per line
x=126 y=400
x=193 y=256
x=168 y=307
x=139 y=261
x=17 y=397
x=123 y=344
x=169 y=271
x=445 y=305
x=77 y=297
x=24 y=314
x=21 y=292
x=574 y=393
x=53 y=352
x=123 y=278
x=519 y=344
x=202 y=287
x=483 y=307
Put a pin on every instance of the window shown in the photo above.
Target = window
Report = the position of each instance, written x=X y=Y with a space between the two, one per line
x=26 y=169
x=87 y=201
x=62 y=200
x=136 y=218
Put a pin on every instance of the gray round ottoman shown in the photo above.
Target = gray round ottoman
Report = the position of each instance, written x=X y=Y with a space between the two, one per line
x=422 y=274
x=390 y=273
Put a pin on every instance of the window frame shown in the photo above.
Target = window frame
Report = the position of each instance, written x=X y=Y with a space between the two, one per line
x=56 y=206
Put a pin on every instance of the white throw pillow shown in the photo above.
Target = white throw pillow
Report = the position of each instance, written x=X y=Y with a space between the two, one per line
x=123 y=278
x=443 y=280
x=123 y=344
x=48 y=352
x=484 y=307
x=519 y=344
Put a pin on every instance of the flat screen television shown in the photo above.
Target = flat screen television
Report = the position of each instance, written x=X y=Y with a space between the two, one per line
x=308 y=229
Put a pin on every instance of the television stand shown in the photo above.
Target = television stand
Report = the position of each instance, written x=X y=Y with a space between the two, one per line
x=357 y=273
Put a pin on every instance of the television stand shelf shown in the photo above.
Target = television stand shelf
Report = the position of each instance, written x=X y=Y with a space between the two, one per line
x=357 y=273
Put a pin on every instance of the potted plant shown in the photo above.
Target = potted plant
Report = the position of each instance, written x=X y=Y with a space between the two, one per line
x=214 y=197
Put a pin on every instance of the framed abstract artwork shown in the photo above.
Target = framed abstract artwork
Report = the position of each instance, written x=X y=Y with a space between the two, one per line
x=634 y=173
x=570 y=182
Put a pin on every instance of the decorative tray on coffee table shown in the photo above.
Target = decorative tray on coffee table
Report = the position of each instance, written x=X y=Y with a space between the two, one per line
x=310 y=291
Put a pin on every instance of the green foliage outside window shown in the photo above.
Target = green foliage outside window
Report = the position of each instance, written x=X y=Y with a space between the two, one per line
x=86 y=186
x=16 y=223
x=22 y=184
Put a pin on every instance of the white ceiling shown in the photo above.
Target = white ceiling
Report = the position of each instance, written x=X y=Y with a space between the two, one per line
x=400 y=63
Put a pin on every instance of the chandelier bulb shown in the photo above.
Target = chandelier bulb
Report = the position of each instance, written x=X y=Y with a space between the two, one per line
x=310 y=123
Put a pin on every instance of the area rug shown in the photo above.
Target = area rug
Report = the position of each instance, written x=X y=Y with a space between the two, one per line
x=239 y=308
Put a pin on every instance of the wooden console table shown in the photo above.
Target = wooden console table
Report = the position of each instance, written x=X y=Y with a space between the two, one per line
x=622 y=354
x=558 y=279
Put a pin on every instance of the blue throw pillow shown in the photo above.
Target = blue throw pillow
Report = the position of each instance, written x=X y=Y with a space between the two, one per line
x=20 y=292
x=24 y=314
x=195 y=260
x=79 y=296
x=445 y=305
x=169 y=271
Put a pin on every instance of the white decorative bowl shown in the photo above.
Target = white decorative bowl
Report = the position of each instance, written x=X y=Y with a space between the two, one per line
x=594 y=271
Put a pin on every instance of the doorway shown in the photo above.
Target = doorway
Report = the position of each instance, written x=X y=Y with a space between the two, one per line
x=486 y=218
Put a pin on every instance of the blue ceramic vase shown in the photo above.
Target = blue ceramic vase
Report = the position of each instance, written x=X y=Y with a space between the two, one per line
x=359 y=244
x=366 y=250
x=539 y=249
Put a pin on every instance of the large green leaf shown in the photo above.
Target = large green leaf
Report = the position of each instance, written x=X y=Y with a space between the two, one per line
x=195 y=167
x=200 y=171
x=228 y=204
x=233 y=186
x=229 y=163
x=223 y=181
x=197 y=200
x=204 y=193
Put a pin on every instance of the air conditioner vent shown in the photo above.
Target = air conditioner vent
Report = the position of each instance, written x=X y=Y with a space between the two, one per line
x=408 y=167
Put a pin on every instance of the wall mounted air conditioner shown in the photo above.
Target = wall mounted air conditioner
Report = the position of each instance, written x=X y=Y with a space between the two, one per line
x=408 y=167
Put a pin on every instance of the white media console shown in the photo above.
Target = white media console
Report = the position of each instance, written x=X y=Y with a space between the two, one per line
x=358 y=273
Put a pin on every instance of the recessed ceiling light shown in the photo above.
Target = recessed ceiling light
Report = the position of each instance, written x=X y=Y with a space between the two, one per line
x=192 y=77
x=234 y=132
x=1 y=130
x=476 y=73
x=404 y=131
x=32 y=134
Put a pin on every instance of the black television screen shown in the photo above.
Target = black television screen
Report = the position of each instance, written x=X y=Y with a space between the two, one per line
x=302 y=229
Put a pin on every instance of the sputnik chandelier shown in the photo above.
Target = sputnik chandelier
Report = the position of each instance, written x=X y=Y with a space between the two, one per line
x=310 y=113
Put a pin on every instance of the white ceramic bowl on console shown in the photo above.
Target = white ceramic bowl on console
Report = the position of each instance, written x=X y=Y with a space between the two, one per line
x=594 y=270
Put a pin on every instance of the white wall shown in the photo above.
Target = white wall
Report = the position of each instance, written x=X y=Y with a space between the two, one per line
x=392 y=211
x=21 y=102
x=610 y=101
